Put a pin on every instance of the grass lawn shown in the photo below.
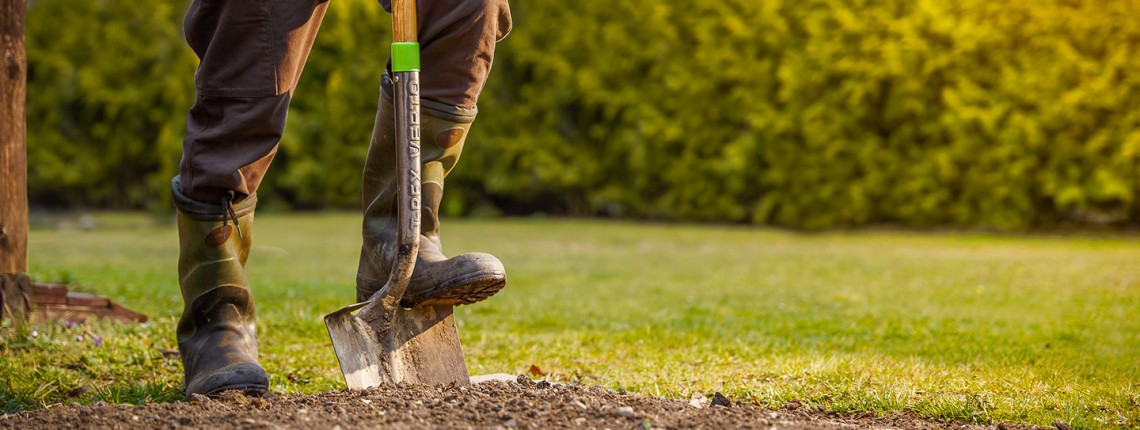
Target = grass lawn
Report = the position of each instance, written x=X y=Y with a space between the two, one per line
x=961 y=327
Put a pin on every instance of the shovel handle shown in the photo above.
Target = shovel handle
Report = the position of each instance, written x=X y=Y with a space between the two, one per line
x=406 y=83
x=404 y=21
x=406 y=80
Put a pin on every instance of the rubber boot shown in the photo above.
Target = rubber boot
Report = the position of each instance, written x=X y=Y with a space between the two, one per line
x=216 y=334
x=436 y=279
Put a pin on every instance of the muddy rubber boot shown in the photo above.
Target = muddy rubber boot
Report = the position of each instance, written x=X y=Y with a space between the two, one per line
x=216 y=334
x=436 y=279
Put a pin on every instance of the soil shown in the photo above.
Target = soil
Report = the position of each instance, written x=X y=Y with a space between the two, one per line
x=496 y=404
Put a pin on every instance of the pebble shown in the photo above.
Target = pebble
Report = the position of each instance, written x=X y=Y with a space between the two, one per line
x=720 y=400
x=625 y=411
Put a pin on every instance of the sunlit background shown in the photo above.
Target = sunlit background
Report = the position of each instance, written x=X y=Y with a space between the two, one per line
x=811 y=114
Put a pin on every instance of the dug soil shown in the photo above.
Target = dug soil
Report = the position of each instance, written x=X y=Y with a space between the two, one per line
x=519 y=404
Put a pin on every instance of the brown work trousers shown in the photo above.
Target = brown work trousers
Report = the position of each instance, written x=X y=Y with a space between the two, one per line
x=252 y=53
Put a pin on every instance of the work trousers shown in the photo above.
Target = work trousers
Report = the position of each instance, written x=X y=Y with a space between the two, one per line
x=252 y=53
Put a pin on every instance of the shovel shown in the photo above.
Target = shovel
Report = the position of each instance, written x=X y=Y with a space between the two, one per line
x=378 y=341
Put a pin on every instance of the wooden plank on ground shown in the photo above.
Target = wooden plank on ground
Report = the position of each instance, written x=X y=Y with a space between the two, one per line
x=55 y=302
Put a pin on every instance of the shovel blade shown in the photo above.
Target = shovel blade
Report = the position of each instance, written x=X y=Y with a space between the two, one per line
x=426 y=348
x=421 y=347
x=358 y=349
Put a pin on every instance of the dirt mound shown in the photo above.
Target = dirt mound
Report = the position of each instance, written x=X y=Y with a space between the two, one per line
x=521 y=404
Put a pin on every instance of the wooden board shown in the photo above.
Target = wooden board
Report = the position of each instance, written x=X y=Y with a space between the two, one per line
x=55 y=302
x=47 y=302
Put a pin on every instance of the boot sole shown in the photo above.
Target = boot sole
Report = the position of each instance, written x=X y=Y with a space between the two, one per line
x=470 y=289
x=255 y=390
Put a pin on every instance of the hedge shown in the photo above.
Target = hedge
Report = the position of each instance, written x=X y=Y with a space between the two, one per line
x=808 y=114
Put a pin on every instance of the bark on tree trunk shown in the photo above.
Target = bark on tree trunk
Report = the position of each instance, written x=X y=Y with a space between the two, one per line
x=15 y=287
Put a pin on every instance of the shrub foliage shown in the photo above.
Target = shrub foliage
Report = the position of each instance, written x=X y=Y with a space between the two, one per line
x=811 y=113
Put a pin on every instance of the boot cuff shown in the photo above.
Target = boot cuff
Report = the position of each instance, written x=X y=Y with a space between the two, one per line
x=205 y=211
x=432 y=108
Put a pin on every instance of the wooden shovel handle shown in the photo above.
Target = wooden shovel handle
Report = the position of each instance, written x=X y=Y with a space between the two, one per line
x=404 y=21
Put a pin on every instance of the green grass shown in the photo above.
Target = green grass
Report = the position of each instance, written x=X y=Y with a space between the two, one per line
x=959 y=327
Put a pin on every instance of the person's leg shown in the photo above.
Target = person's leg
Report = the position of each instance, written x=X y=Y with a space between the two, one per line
x=457 y=45
x=457 y=39
x=251 y=53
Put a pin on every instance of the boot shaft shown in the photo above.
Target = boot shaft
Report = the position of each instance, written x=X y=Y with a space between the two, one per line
x=444 y=130
x=214 y=243
x=439 y=280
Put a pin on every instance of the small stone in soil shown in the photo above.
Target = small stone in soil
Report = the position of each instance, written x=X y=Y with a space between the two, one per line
x=720 y=400
x=625 y=411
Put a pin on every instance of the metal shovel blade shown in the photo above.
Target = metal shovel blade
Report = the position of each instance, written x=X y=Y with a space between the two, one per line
x=418 y=346
x=360 y=353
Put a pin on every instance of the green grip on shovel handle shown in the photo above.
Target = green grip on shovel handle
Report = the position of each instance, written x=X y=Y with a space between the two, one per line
x=405 y=57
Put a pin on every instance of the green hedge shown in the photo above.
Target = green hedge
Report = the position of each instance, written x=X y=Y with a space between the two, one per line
x=107 y=82
x=811 y=114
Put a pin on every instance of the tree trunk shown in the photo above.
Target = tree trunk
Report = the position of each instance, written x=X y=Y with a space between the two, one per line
x=15 y=288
